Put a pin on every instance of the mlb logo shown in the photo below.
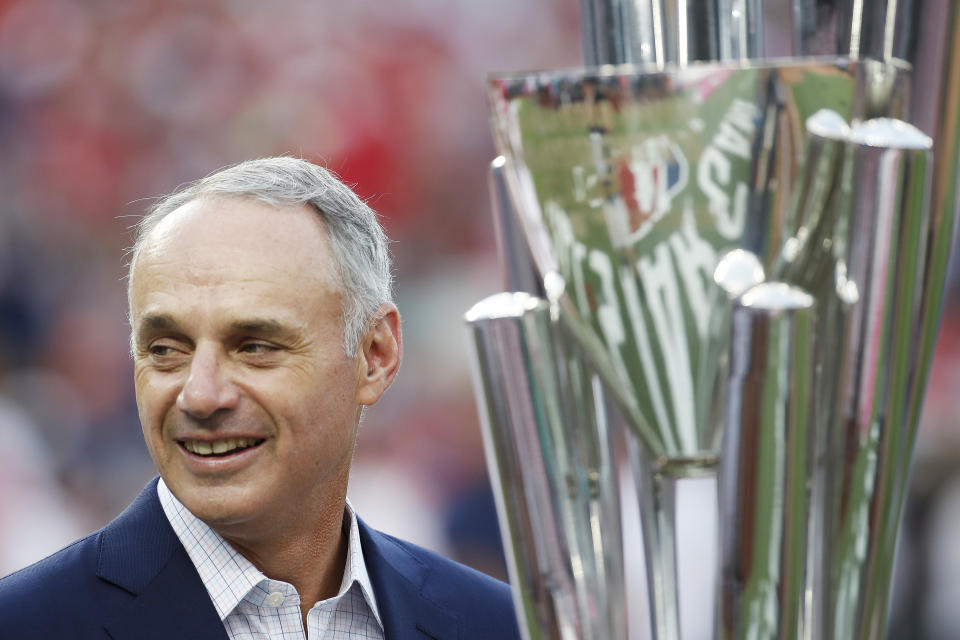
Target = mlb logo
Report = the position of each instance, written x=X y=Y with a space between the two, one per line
x=649 y=178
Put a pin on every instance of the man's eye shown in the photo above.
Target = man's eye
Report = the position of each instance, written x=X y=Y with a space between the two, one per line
x=160 y=350
x=256 y=347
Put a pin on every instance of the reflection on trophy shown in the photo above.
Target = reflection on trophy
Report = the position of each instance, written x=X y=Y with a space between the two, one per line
x=728 y=236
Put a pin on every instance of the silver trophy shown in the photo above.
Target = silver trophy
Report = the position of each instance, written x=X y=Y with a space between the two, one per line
x=731 y=235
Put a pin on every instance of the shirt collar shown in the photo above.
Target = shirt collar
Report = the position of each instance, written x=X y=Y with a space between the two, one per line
x=229 y=577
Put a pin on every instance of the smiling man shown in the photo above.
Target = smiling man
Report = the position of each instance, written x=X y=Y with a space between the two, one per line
x=261 y=326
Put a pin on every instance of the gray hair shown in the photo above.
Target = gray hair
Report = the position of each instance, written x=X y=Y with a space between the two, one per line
x=358 y=242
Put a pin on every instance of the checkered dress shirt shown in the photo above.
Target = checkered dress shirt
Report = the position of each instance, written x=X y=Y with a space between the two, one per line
x=254 y=607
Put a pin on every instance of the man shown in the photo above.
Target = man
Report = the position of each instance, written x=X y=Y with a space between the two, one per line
x=261 y=326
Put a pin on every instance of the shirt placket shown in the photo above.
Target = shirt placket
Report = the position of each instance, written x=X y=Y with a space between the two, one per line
x=276 y=606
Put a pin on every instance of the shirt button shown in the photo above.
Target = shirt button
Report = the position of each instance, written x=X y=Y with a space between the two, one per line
x=275 y=599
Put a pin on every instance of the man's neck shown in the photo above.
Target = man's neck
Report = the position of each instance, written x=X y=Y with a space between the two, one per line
x=310 y=557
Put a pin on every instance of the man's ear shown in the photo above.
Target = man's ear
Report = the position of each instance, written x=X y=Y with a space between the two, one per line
x=379 y=357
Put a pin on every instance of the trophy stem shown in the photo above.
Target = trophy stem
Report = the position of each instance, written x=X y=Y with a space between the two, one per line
x=657 y=497
x=766 y=467
x=657 y=482
x=605 y=517
x=886 y=268
x=595 y=507
x=546 y=437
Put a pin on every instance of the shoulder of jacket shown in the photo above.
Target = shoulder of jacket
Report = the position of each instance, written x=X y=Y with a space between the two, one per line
x=58 y=596
x=481 y=602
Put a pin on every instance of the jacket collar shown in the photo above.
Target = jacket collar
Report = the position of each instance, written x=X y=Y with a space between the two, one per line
x=140 y=553
x=400 y=581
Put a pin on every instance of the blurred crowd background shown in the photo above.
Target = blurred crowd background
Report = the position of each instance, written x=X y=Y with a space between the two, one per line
x=106 y=104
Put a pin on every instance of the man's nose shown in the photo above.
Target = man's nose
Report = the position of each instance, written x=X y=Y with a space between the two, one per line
x=208 y=387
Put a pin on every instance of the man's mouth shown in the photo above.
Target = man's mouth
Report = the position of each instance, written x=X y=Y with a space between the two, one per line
x=219 y=448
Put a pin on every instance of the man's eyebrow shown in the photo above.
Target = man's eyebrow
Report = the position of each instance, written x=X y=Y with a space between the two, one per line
x=260 y=326
x=156 y=322
x=162 y=322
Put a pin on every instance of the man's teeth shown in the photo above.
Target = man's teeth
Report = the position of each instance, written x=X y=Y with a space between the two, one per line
x=218 y=447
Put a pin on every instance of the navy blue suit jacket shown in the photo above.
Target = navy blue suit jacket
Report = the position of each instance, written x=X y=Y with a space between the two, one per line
x=133 y=580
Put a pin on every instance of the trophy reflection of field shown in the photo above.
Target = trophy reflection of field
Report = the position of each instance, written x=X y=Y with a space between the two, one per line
x=643 y=184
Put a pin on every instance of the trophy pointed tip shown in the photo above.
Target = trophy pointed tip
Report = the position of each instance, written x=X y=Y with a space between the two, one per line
x=738 y=271
x=554 y=285
x=503 y=305
x=827 y=123
x=776 y=296
x=890 y=132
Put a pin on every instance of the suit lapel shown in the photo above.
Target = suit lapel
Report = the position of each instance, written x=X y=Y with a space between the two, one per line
x=398 y=580
x=140 y=553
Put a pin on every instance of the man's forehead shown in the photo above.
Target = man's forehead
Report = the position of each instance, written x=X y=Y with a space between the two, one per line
x=248 y=249
x=242 y=232
x=220 y=215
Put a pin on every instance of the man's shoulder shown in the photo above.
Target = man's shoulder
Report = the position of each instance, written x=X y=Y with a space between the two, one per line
x=482 y=604
x=55 y=594
x=77 y=560
x=449 y=572
x=73 y=592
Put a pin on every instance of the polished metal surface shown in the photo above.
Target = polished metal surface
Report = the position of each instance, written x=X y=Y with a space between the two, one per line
x=678 y=32
x=520 y=274
x=807 y=256
x=631 y=186
x=888 y=257
x=810 y=259
x=547 y=447
x=766 y=464
x=866 y=29
x=653 y=32
x=665 y=33
x=653 y=198
x=862 y=243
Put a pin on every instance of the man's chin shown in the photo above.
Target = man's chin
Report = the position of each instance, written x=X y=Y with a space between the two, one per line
x=218 y=506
